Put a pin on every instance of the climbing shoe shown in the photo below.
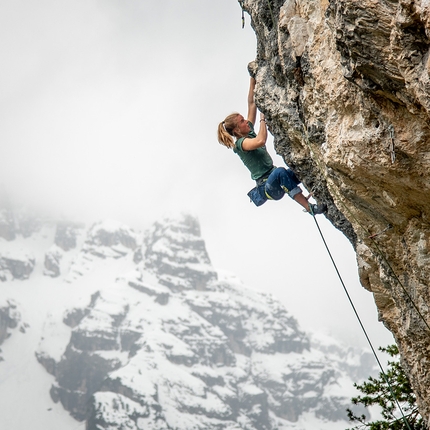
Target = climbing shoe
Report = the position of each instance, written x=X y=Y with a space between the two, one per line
x=317 y=209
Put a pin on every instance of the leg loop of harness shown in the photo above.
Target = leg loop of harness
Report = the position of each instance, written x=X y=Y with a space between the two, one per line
x=268 y=195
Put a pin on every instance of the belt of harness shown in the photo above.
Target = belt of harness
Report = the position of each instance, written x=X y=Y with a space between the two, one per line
x=258 y=194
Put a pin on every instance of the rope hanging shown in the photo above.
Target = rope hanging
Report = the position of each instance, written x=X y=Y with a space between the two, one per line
x=243 y=13
x=346 y=290
x=362 y=326
x=271 y=13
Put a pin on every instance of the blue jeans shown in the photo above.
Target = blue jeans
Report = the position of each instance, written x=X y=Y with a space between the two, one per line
x=282 y=181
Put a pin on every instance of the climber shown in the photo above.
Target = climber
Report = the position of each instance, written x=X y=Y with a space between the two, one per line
x=271 y=182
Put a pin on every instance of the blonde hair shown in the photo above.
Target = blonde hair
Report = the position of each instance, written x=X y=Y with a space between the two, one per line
x=226 y=130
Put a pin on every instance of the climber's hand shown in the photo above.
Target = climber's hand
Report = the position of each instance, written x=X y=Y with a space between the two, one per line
x=252 y=69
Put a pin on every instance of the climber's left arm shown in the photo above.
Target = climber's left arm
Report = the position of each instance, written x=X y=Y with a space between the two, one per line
x=252 y=107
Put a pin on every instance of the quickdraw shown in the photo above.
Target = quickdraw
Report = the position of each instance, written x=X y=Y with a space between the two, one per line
x=389 y=227
x=391 y=145
x=243 y=13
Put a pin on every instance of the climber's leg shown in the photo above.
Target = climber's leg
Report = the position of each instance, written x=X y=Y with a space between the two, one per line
x=302 y=200
x=282 y=181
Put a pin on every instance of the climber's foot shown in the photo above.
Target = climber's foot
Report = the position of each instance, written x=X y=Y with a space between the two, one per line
x=317 y=209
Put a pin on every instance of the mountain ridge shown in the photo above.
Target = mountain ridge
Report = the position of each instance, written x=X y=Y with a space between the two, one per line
x=145 y=333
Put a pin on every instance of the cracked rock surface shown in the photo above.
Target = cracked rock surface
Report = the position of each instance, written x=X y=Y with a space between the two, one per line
x=346 y=92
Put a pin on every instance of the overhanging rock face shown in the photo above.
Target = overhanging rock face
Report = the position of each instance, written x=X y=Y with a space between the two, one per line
x=345 y=88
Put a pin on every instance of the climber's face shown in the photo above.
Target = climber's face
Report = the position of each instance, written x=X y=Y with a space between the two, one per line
x=242 y=126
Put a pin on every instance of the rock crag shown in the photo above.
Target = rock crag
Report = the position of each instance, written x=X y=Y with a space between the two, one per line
x=345 y=89
x=162 y=340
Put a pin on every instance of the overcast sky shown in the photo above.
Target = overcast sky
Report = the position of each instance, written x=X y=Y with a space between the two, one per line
x=109 y=110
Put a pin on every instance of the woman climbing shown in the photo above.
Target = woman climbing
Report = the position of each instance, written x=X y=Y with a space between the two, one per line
x=237 y=133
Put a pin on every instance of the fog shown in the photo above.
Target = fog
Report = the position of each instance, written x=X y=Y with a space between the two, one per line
x=110 y=109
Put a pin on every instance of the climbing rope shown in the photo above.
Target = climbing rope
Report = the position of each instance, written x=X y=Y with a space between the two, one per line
x=391 y=146
x=362 y=326
x=243 y=13
x=271 y=13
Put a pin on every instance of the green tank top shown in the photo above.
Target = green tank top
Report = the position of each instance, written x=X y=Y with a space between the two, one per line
x=258 y=161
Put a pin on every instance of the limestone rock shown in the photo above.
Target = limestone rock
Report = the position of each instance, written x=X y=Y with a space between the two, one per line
x=177 y=254
x=52 y=261
x=104 y=240
x=16 y=265
x=9 y=318
x=345 y=90
x=66 y=235
x=110 y=239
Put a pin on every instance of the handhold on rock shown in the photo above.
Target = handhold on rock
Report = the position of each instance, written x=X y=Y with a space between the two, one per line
x=252 y=69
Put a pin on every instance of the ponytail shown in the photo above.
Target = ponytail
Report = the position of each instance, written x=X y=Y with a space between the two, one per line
x=226 y=131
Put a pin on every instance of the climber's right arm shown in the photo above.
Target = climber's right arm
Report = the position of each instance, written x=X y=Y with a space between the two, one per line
x=250 y=143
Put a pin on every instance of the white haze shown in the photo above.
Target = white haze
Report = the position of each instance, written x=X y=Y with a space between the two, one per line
x=109 y=110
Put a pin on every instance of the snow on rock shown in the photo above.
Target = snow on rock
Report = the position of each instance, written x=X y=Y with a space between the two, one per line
x=52 y=261
x=252 y=320
x=105 y=240
x=16 y=265
x=111 y=233
x=177 y=254
x=9 y=318
x=66 y=235
x=163 y=342
x=162 y=296
x=110 y=239
x=111 y=411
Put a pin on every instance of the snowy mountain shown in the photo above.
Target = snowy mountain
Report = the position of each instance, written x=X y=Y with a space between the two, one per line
x=107 y=328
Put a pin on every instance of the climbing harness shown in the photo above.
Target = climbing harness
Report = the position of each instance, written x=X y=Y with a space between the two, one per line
x=391 y=145
x=362 y=327
x=257 y=195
